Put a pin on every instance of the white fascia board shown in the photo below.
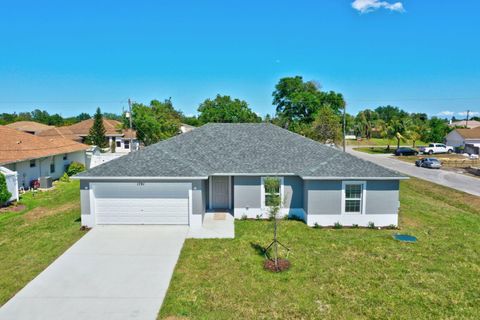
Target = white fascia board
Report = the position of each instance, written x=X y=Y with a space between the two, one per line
x=137 y=178
x=275 y=174
x=355 y=178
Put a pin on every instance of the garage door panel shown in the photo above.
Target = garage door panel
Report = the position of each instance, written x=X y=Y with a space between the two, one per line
x=135 y=204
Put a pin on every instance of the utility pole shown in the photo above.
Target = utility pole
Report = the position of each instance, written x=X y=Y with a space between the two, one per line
x=468 y=114
x=344 y=126
x=131 y=127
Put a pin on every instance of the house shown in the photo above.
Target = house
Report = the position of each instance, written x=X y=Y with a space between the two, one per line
x=33 y=157
x=470 y=124
x=224 y=166
x=125 y=140
x=463 y=137
x=30 y=127
x=60 y=132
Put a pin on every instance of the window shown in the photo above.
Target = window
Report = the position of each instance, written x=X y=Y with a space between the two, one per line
x=268 y=196
x=33 y=163
x=119 y=143
x=52 y=167
x=353 y=197
x=65 y=157
x=126 y=144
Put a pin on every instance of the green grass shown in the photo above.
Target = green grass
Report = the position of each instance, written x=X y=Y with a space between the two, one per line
x=375 y=150
x=384 y=142
x=32 y=239
x=341 y=274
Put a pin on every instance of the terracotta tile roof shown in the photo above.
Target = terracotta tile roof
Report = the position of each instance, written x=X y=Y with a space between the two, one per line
x=111 y=127
x=469 y=133
x=60 y=132
x=29 y=126
x=19 y=146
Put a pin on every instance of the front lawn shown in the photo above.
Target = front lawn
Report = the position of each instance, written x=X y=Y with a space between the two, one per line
x=341 y=274
x=33 y=238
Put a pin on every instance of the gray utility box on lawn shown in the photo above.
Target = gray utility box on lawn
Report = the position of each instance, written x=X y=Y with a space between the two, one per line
x=45 y=182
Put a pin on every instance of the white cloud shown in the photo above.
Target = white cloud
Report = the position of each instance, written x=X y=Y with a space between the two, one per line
x=446 y=113
x=471 y=113
x=366 y=6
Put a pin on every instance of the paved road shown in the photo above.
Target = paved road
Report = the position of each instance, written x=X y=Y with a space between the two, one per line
x=446 y=178
x=113 y=272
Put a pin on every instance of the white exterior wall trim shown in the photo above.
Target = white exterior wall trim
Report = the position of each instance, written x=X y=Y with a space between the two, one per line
x=363 y=220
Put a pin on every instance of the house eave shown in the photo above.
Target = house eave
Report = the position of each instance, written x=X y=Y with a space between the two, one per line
x=354 y=178
x=97 y=178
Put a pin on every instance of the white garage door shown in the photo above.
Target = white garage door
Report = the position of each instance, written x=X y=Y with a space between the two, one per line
x=141 y=203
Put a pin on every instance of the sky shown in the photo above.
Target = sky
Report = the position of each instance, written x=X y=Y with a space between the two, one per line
x=69 y=57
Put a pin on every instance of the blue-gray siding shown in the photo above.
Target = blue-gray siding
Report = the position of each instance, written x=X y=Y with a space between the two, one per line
x=247 y=192
x=323 y=196
x=382 y=197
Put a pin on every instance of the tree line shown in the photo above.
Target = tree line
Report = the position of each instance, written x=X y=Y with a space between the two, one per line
x=300 y=106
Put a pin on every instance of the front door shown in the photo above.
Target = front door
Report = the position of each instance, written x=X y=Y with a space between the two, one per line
x=220 y=192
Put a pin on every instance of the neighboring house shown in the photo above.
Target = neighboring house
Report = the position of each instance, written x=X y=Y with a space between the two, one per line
x=60 y=132
x=33 y=157
x=471 y=124
x=462 y=137
x=186 y=128
x=11 y=178
x=223 y=167
x=125 y=140
x=30 y=127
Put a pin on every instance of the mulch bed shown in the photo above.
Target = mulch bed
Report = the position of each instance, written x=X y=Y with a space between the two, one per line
x=13 y=208
x=282 y=265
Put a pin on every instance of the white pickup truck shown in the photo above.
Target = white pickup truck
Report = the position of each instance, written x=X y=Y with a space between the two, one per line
x=436 y=148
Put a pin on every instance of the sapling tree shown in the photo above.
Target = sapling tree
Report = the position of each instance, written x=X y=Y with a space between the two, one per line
x=273 y=201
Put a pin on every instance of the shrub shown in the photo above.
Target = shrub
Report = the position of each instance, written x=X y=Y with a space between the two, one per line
x=392 y=227
x=355 y=226
x=337 y=225
x=74 y=168
x=5 y=195
x=316 y=225
x=371 y=225
x=244 y=217
x=259 y=216
x=65 y=177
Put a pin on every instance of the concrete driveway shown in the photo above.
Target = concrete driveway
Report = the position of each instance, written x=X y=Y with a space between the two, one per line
x=113 y=272
x=445 y=178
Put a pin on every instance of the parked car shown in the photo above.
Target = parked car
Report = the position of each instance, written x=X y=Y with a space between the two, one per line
x=403 y=151
x=436 y=148
x=432 y=163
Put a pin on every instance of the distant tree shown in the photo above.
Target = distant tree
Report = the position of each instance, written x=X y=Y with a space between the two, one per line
x=326 y=127
x=156 y=122
x=437 y=130
x=112 y=116
x=365 y=121
x=224 y=109
x=83 y=116
x=55 y=120
x=388 y=113
x=96 y=135
x=297 y=101
x=191 y=120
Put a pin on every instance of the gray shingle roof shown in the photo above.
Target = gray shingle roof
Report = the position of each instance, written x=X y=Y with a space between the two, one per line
x=239 y=149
